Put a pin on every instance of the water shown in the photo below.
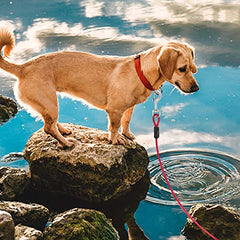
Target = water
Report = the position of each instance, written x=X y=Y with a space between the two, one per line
x=208 y=120
x=196 y=177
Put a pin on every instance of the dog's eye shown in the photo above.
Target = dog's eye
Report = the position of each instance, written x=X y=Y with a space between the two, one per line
x=183 y=69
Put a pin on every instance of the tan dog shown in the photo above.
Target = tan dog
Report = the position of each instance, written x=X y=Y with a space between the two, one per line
x=107 y=82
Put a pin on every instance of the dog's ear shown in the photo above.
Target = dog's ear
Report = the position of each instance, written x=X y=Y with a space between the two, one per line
x=167 y=60
x=194 y=68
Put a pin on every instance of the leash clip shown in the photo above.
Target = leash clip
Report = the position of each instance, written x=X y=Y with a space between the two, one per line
x=157 y=97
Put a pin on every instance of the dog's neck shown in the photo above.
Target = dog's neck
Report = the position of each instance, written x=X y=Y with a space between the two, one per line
x=150 y=67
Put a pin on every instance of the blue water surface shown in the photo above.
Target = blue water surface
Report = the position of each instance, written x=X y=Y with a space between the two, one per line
x=208 y=119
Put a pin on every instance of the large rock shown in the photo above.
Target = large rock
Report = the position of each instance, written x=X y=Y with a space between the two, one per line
x=32 y=215
x=13 y=183
x=6 y=226
x=8 y=108
x=81 y=224
x=27 y=233
x=93 y=170
x=222 y=222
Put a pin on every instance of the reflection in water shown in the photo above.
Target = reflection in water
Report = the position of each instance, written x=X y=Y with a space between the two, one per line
x=120 y=210
x=196 y=177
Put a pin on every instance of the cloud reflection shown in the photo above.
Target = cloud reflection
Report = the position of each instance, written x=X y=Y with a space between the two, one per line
x=169 y=111
x=92 y=8
x=211 y=26
x=46 y=35
x=176 y=138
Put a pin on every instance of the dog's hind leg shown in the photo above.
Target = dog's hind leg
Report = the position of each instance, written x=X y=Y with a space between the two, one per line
x=45 y=102
x=51 y=127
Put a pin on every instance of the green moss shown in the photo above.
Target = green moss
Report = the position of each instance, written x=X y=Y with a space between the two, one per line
x=87 y=226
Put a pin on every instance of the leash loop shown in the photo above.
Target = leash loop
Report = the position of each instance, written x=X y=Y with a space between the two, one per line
x=156 y=116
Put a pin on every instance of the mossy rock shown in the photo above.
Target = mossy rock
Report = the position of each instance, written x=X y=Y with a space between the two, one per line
x=84 y=224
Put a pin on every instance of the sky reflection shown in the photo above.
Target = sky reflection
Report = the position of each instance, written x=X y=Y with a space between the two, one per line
x=208 y=119
x=104 y=27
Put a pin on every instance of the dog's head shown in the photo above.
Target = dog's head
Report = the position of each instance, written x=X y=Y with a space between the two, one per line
x=176 y=63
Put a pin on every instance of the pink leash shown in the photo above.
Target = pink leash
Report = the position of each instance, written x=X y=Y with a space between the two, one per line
x=156 y=136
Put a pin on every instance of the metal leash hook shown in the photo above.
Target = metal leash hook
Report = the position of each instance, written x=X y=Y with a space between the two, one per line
x=156 y=112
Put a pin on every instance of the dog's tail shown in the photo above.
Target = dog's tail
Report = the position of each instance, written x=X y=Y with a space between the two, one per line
x=7 y=43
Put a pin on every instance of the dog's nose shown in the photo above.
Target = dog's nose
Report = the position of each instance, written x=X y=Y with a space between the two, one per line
x=194 y=88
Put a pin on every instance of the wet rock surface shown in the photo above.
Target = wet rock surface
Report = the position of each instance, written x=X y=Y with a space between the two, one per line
x=81 y=224
x=32 y=215
x=93 y=170
x=13 y=183
x=6 y=226
x=222 y=222
x=8 y=108
x=27 y=233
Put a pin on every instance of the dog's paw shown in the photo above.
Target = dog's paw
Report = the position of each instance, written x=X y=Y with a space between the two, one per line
x=63 y=130
x=129 y=135
x=70 y=142
x=119 y=140
x=67 y=131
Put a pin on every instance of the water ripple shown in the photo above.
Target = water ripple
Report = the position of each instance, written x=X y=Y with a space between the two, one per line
x=195 y=176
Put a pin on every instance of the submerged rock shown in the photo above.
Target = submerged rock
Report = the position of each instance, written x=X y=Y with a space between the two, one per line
x=27 y=233
x=6 y=226
x=222 y=222
x=13 y=183
x=94 y=170
x=32 y=215
x=8 y=108
x=81 y=224
x=12 y=157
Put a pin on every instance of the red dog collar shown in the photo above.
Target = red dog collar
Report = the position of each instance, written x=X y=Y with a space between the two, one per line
x=141 y=76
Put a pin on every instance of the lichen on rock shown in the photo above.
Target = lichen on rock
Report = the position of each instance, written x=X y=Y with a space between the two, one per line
x=94 y=170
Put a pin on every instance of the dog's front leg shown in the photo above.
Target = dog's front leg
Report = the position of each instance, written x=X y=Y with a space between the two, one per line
x=125 y=123
x=114 y=125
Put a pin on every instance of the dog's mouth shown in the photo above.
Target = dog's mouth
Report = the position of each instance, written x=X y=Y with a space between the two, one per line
x=192 y=89
x=179 y=87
